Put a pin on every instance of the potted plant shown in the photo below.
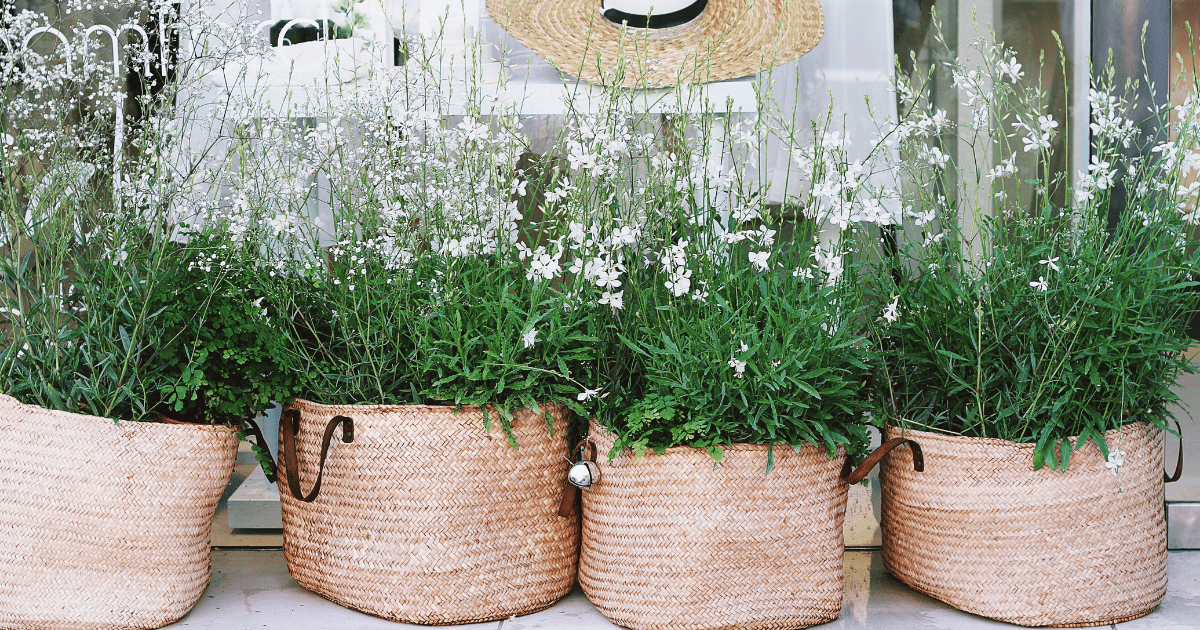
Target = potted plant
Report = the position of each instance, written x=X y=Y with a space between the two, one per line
x=1033 y=359
x=121 y=397
x=735 y=382
x=120 y=412
x=424 y=461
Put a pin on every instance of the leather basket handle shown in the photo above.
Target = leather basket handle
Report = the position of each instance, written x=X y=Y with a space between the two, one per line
x=860 y=473
x=289 y=425
x=255 y=432
x=1179 y=463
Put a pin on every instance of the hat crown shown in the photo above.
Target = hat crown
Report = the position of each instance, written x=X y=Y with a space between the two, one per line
x=646 y=7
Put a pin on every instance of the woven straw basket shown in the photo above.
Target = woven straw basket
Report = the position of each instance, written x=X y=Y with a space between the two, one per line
x=984 y=532
x=104 y=524
x=671 y=541
x=425 y=516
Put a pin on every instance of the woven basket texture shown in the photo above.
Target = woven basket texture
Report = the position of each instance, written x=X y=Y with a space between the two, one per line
x=105 y=525
x=983 y=531
x=731 y=38
x=426 y=517
x=673 y=541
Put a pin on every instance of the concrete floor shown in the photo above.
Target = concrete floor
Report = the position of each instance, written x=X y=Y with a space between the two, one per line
x=252 y=589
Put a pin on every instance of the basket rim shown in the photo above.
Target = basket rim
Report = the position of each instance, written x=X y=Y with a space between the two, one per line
x=387 y=408
x=948 y=437
x=130 y=424
x=737 y=447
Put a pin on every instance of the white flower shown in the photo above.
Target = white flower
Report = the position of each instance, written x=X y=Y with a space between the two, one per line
x=830 y=263
x=586 y=395
x=745 y=214
x=530 y=337
x=892 y=312
x=1102 y=173
x=518 y=187
x=759 y=260
x=1033 y=143
x=739 y=367
x=1041 y=284
x=472 y=129
x=1004 y=169
x=558 y=194
x=680 y=281
x=743 y=347
x=1010 y=68
x=936 y=158
x=939 y=120
x=576 y=232
x=543 y=266
x=628 y=236
x=1038 y=139
x=280 y=223
x=1086 y=191
x=1050 y=262
x=921 y=217
x=457 y=248
x=608 y=278
x=579 y=158
x=1116 y=459
x=615 y=300
x=1047 y=124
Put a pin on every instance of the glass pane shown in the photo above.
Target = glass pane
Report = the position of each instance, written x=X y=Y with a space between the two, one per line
x=1029 y=27
x=1033 y=29
x=1185 y=16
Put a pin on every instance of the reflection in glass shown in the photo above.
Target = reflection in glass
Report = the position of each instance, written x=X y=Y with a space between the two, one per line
x=931 y=32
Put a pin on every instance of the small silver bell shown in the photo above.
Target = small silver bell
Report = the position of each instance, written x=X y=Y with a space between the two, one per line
x=584 y=473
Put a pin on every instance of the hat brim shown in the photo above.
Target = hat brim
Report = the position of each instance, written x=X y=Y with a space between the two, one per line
x=730 y=38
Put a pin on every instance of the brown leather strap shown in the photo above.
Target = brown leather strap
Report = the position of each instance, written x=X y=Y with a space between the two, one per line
x=253 y=431
x=289 y=425
x=1179 y=462
x=586 y=455
x=860 y=473
x=570 y=492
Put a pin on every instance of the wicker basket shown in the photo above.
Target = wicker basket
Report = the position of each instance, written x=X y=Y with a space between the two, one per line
x=671 y=541
x=426 y=517
x=984 y=532
x=104 y=524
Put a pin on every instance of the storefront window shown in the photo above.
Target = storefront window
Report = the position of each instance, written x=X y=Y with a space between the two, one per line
x=1185 y=55
x=1049 y=40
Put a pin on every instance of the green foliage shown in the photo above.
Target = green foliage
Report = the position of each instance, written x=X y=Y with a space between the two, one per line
x=215 y=325
x=764 y=356
x=118 y=321
x=980 y=349
x=1030 y=311
x=136 y=331
x=79 y=330
x=441 y=330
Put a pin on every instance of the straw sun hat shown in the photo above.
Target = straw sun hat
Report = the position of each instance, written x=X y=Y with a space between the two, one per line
x=662 y=42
